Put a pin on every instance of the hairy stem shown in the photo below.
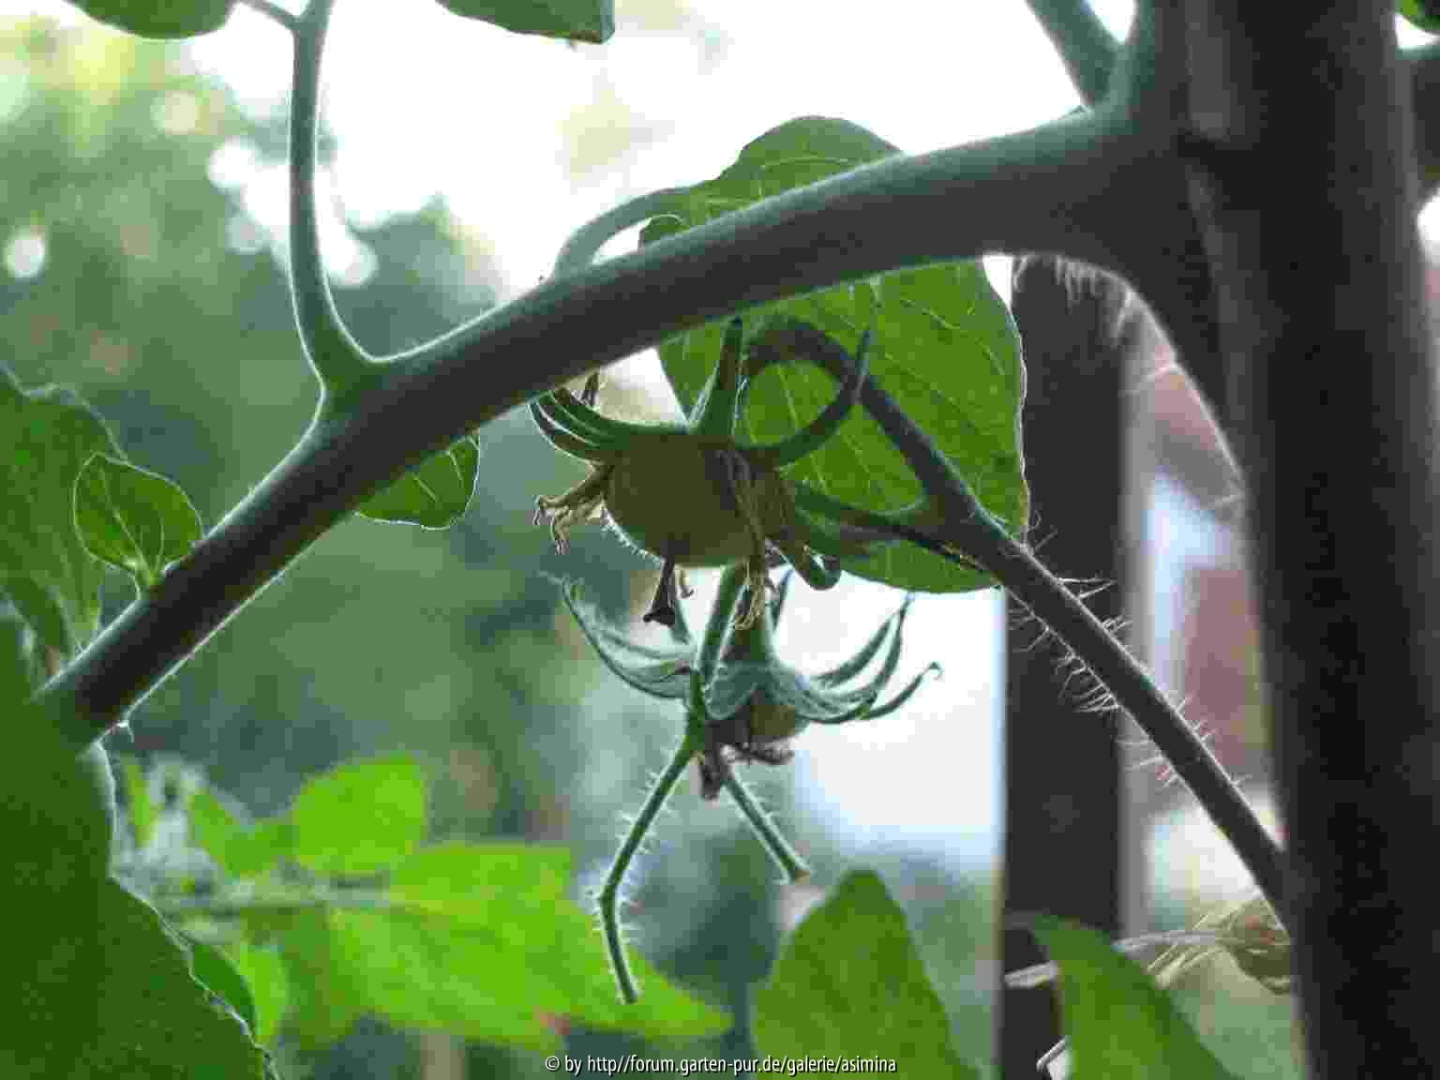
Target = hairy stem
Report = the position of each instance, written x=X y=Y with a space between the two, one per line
x=966 y=525
x=610 y=890
x=786 y=857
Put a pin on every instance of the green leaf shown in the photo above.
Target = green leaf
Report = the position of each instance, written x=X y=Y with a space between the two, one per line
x=19 y=672
x=481 y=940
x=156 y=1019
x=359 y=818
x=579 y=20
x=56 y=830
x=137 y=795
x=944 y=346
x=435 y=493
x=46 y=435
x=170 y=19
x=218 y=975
x=1422 y=13
x=133 y=519
x=264 y=973
x=1119 y=1023
x=849 y=984
x=241 y=851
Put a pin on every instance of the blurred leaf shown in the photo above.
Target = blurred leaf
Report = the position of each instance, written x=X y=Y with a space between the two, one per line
x=57 y=829
x=1118 y=1022
x=1422 y=13
x=220 y=977
x=361 y=817
x=944 y=346
x=434 y=494
x=137 y=794
x=46 y=435
x=849 y=983
x=18 y=669
x=582 y=20
x=241 y=851
x=457 y=910
x=133 y=519
x=169 y=19
x=264 y=974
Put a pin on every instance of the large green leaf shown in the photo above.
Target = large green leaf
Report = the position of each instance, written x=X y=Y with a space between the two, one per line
x=167 y=19
x=580 y=20
x=133 y=519
x=944 y=346
x=849 y=984
x=435 y=493
x=481 y=940
x=359 y=818
x=1119 y=1023
x=46 y=435
x=1422 y=13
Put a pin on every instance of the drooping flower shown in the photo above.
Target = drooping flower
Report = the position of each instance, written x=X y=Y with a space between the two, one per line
x=691 y=494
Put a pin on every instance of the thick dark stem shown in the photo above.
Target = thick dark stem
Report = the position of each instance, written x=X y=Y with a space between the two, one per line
x=1309 y=196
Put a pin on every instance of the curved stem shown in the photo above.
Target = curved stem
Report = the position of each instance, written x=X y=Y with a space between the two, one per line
x=790 y=861
x=1086 y=48
x=968 y=526
x=339 y=362
x=1063 y=187
x=713 y=415
x=610 y=890
x=585 y=243
x=732 y=583
x=275 y=12
x=820 y=430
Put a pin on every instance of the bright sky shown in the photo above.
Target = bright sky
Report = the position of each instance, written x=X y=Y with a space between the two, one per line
x=434 y=104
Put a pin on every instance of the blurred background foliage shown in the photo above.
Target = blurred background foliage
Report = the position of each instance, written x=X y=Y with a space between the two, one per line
x=135 y=274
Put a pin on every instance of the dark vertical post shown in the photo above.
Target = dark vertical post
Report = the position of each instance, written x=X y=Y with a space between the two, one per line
x=1062 y=775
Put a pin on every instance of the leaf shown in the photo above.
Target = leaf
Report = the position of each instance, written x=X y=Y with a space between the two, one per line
x=435 y=493
x=1118 y=1022
x=219 y=976
x=241 y=851
x=156 y=1019
x=264 y=973
x=849 y=984
x=944 y=346
x=133 y=519
x=171 y=19
x=1422 y=13
x=46 y=435
x=481 y=940
x=137 y=796
x=56 y=847
x=580 y=20
x=19 y=673
x=359 y=818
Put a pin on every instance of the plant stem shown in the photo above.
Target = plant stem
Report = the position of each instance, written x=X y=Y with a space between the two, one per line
x=786 y=857
x=1086 y=48
x=967 y=526
x=273 y=11
x=338 y=361
x=610 y=890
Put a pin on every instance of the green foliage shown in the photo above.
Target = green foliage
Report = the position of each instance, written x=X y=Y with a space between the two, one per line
x=218 y=975
x=849 y=983
x=578 y=20
x=1422 y=13
x=1119 y=1023
x=435 y=493
x=945 y=348
x=132 y=519
x=167 y=19
x=139 y=806
x=387 y=794
x=46 y=436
